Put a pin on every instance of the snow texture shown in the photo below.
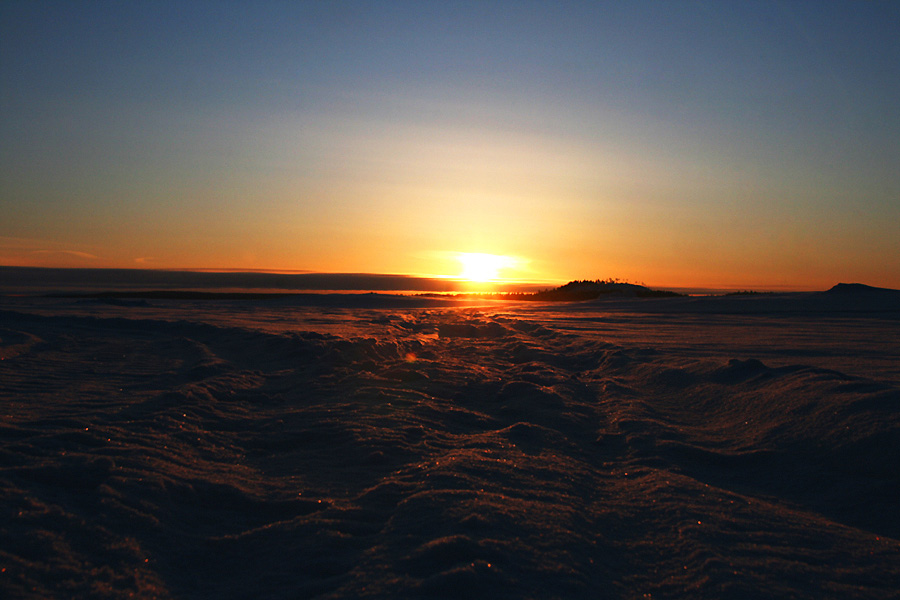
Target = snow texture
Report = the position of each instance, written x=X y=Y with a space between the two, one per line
x=383 y=448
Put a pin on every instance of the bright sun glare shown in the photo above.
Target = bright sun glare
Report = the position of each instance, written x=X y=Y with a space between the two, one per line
x=482 y=267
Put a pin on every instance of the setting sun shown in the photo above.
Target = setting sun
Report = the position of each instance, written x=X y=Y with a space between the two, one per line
x=483 y=267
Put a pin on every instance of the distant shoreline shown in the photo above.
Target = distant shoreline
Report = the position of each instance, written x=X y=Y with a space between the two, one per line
x=41 y=280
x=199 y=284
x=841 y=299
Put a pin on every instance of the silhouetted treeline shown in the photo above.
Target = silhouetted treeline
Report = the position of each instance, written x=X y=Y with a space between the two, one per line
x=746 y=293
x=590 y=290
x=575 y=291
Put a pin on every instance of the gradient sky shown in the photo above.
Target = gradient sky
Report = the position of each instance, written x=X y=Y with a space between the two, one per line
x=748 y=144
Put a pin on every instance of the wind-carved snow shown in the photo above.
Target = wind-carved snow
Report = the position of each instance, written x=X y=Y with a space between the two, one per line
x=239 y=450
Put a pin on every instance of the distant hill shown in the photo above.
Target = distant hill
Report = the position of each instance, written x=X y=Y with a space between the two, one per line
x=859 y=288
x=591 y=290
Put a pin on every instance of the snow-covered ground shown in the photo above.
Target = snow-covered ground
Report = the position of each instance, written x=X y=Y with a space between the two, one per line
x=743 y=447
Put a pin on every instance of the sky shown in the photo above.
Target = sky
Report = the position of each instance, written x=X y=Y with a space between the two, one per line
x=719 y=144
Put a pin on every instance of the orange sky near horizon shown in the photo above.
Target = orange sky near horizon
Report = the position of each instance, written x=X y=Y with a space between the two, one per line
x=705 y=146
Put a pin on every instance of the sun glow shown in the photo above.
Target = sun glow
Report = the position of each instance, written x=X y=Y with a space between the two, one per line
x=481 y=268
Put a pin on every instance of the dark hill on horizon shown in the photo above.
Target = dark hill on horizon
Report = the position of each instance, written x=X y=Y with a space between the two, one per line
x=591 y=290
x=859 y=288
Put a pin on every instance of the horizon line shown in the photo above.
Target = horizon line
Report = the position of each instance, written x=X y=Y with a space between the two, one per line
x=300 y=274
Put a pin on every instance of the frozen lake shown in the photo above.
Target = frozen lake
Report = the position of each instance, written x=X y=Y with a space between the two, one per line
x=410 y=447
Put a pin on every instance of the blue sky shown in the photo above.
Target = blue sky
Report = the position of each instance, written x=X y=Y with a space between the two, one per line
x=694 y=143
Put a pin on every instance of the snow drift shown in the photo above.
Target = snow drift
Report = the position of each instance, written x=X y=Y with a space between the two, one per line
x=187 y=450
